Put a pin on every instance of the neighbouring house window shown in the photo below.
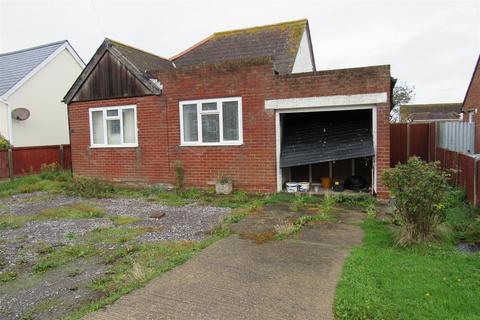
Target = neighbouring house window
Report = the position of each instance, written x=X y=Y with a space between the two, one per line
x=211 y=122
x=113 y=127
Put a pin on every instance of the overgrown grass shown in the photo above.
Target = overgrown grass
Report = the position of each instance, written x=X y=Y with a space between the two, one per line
x=323 y=214
x=124 y=220
x=76 y=211
x=33 y=183
x=381 y=281
x=462 y=218
x=62 y=256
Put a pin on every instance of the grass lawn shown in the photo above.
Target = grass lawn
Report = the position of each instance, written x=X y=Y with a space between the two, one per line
x=381 y=281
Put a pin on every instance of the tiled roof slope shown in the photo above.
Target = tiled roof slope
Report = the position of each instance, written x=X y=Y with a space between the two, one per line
x=14 y=66
x=143 y=60
x=278 y=41
x=435 y=111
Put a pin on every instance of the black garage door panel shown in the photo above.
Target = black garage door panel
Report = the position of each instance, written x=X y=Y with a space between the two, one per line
x=315 y=138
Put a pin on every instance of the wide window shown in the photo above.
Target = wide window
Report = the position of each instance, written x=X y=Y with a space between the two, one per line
x=211 y=122
x=113 y=127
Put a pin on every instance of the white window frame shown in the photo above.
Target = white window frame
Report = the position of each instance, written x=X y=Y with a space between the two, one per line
x=219 y=111
x=118 y=117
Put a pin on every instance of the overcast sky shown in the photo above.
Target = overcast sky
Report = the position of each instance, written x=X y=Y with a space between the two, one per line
x=432 y=45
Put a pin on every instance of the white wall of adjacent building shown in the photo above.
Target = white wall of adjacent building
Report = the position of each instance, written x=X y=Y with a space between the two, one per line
x=303 y=60
x=42 y=95
x=4 y=132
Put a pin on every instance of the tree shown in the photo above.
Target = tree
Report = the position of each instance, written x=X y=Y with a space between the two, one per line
x=402 y=93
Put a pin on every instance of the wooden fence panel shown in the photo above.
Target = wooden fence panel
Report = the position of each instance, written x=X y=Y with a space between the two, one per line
x=28 y=160
x=3 y=164
x=466 y=172
x=398 y=143
x=419 y=140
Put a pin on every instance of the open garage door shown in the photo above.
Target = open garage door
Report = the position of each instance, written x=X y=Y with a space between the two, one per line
x=334 y=144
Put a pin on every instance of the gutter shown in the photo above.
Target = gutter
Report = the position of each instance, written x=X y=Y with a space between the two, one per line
x=9 y=120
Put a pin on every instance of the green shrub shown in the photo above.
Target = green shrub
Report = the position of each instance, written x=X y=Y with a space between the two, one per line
x=419 y=189
x=4 y=143
x=90 y=188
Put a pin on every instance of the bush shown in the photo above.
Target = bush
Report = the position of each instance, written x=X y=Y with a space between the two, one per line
x=419 y=189
x=90 y=188
x=4 y=143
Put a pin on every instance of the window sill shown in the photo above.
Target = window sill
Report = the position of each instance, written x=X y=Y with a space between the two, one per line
x=211 y=144
x=114 y=146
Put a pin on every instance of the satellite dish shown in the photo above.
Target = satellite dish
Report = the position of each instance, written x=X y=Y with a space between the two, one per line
x=20 y=114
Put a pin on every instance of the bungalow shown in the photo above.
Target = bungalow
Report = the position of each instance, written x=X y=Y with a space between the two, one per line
x=32 y=84
x=247 y=104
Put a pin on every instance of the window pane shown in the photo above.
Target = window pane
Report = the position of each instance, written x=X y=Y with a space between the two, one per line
x=190 y=123
x=210 y=128
x=112 y=113
x=113 y=132
x=209 y=106
x=230 y=120
x=128 y=126
x=97 y=127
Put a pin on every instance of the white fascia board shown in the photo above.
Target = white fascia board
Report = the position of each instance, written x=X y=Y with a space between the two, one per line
x=327 y=101
x=75 y=55
x=41 y=65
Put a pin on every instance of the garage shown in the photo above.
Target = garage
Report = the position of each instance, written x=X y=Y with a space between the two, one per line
x=328 y=147
x=332 y=137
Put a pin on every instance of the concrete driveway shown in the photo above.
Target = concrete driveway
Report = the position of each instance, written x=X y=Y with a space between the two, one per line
x=237 y=278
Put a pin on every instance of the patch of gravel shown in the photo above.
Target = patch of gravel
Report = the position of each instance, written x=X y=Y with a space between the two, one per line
x=67 y=292
x=50 y=232
x=28 y=203
x=191 y=222
x=18 y=246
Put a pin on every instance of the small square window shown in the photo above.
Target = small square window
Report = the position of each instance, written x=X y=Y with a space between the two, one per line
x=209 y=106
x=112 y=113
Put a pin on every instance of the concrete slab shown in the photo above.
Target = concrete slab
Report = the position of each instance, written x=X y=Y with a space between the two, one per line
x=239 y=279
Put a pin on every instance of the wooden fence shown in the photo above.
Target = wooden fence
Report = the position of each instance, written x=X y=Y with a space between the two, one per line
x=27 y=160
x=422 y=140
x=408 y=140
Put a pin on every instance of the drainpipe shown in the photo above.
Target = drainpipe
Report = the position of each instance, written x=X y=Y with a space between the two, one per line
x=9 y=120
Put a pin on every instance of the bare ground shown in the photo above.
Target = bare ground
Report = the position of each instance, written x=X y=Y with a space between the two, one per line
x=54 y=293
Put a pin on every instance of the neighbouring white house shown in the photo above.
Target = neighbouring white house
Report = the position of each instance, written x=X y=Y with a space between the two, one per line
x=32 y=84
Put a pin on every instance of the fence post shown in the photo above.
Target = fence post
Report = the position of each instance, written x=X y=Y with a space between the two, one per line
x=475 y=181
x=10 y=163
x=62 y=157
x=408 y=141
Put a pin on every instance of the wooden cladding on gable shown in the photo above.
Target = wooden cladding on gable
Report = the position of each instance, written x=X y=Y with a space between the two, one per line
x=110 y=79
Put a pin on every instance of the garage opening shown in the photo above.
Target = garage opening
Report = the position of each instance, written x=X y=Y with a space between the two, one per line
x=327 y=149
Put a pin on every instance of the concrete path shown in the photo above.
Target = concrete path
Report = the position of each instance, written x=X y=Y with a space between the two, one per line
x=238 y=279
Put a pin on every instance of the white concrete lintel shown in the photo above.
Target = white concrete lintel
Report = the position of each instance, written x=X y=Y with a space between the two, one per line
x=327 y=101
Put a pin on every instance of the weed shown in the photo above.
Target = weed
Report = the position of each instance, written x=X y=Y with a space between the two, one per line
x=70 y=236
x=123 y=220
x=75 y=272
x=90 y=188
x=179 y=175
x=76 y=211
x=62 y=256
x=8 y=276
x=259 y=237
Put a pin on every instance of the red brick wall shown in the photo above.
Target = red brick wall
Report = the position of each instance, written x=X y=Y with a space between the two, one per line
x=472 y=101
x=251 y=165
